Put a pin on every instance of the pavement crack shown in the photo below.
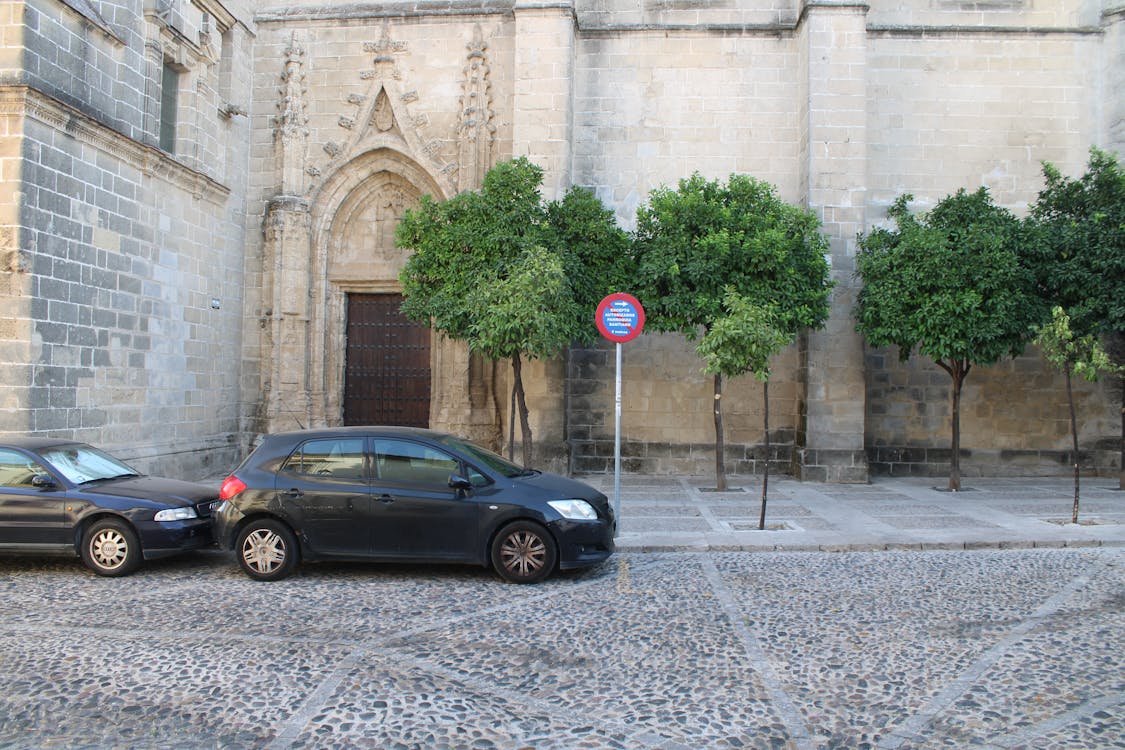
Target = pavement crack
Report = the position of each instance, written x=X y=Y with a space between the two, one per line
x=312 y=705
x=783 y=704
x=912 y=729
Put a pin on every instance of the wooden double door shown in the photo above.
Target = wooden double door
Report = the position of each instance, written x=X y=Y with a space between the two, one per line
x=387 y=364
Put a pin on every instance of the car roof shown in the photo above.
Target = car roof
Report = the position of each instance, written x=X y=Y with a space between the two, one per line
x=375 y=430
x=36 y=442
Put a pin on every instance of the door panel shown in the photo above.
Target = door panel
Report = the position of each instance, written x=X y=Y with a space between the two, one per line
x=387 y=364
x=323 y=488
x=29 y=514
x=417 y=515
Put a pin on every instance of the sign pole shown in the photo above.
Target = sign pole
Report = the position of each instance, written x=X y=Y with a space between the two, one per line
x=620 y=318
x=617 y=445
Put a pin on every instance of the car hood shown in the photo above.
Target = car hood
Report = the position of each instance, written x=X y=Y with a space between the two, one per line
x=556 y=487
x=173 y=492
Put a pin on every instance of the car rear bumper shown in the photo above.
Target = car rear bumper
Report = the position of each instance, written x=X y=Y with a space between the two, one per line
x=224 y=521
x=583 y=543
x=161 y=539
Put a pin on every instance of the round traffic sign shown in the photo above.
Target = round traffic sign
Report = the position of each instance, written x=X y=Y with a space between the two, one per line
x=620 y=317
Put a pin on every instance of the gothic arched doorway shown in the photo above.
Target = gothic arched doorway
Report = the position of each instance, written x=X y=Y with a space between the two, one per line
x=386 y=358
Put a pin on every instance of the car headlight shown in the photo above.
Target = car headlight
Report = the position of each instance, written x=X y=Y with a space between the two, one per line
x=574 y=509
x=175 y=514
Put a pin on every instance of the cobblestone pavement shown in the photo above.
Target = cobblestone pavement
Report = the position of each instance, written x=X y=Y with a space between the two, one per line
x=996 y=648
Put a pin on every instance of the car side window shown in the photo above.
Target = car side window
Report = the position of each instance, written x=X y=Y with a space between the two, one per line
x=17 y=470
x=404 y=461
x=476 y=478
x=339 y=458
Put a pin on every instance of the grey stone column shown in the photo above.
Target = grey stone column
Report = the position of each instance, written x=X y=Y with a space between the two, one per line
x=294 y=398
x=833 y=39
x=1113 y=21
x=542 y=129
x=544 y=79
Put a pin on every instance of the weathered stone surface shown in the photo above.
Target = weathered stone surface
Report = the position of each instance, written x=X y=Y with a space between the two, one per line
x=344 y=114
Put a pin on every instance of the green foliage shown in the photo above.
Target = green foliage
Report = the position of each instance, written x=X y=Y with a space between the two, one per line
x=530 y=312
x=1077 y=244
x=511 y=276
x=596 y=252
x=743 y=340
x=1069 y=352
x=695 y=242
x=949 y=284
x=481 y=244
x=708 y=244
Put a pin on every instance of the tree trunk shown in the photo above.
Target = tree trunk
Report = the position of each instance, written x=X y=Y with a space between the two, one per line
x=1074 y=442
x=958 y=373
x=525 y=425
x=512 y=422
x=720 y=448
x=1121 y=474
x=766 y=471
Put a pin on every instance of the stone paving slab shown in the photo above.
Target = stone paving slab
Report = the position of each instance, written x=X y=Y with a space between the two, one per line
x=885 y=514
x=665 y=651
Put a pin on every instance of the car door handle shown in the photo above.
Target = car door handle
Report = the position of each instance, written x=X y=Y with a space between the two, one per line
x=294 y=492
x=386 y=499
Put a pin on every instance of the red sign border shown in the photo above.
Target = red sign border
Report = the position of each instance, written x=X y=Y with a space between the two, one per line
x=606 y=302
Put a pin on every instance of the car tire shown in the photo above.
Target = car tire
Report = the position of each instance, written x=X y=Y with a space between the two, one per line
x=110 y=548
x=267 y=550
x=524 y=552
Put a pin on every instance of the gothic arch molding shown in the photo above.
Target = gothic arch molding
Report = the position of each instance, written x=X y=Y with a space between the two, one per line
x=353 y=215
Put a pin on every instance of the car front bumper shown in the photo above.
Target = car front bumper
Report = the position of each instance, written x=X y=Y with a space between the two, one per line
x=583 y=543
x=164 y=538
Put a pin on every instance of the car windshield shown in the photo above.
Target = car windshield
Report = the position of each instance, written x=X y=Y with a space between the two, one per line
x=84 y=463
x=484 y=456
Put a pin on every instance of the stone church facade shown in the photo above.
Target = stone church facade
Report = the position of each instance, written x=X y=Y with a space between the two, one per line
x=199 y=201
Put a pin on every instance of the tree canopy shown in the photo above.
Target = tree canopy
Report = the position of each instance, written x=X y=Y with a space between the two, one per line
x=695 y=242
x=1077 y=246
x=949 y=285
x=510 y=275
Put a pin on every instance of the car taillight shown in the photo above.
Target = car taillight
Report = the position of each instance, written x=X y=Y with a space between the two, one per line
x=231 y=486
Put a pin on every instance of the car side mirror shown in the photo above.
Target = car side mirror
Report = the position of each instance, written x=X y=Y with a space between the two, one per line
x=43 y=482
x=458 y=482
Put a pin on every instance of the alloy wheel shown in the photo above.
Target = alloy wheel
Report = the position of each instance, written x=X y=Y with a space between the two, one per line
x=263 y=551
x=523 y=553
x=109 y=549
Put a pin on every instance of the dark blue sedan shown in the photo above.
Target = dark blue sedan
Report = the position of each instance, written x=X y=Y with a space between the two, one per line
x=405 y=495
x=59 y=497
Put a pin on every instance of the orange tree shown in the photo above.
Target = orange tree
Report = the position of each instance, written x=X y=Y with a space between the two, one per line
x=510 y=275
x=1076 y=247
x=741 y=341
x=696 y=244
x=1074 y=355
x=950 y=285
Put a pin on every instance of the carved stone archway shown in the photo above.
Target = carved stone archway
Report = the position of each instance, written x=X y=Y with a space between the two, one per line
x=334 y=235
x=352 y=223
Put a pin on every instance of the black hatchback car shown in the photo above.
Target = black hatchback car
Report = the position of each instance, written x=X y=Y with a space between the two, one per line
x=405 y=495
x=59 y=497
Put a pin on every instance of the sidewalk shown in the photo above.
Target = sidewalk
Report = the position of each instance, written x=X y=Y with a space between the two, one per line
x=681 y=513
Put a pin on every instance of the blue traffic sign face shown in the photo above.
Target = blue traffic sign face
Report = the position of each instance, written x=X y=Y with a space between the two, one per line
x=620 y=317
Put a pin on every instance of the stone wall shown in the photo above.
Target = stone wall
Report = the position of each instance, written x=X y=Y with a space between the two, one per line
x=172 y=303
x=1014 y=418
x=122 y=301
x=667 y=421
